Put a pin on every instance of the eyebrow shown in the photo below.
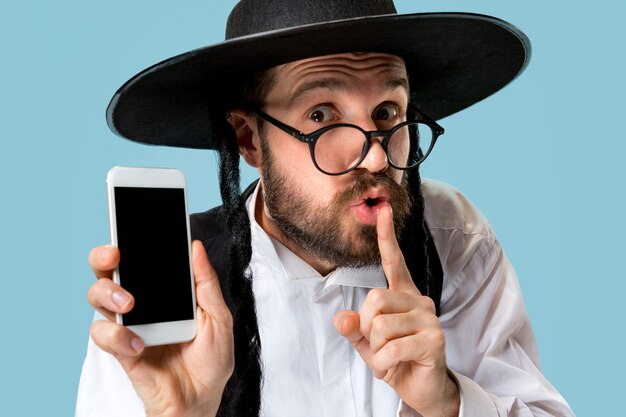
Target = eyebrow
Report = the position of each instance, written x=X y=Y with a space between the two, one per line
x=334 y=84
x=398 y=82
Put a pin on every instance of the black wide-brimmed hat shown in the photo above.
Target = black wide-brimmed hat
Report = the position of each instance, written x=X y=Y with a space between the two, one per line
x=453 y=60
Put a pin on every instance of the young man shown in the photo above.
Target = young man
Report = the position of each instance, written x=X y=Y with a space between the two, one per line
x=355 y=289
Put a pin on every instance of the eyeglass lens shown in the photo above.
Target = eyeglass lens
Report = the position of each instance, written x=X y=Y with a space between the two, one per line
x=339 y=149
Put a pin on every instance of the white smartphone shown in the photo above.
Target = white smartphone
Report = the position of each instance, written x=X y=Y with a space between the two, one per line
x=150 y=226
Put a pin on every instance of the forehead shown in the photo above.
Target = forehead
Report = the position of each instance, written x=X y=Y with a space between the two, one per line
x=342 y=70
x=362 y=62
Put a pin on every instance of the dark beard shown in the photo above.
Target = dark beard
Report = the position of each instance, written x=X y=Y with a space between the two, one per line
x=318 y=229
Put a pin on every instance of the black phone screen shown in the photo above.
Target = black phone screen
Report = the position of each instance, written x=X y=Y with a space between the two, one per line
x=154 y=261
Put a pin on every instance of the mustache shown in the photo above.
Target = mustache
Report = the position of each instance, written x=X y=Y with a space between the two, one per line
x=398 y=193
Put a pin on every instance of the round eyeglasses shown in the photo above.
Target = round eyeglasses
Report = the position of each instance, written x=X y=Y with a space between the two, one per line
x=339 y=148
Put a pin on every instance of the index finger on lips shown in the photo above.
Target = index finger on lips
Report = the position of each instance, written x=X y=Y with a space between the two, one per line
x=391 y=256
x=103 y=260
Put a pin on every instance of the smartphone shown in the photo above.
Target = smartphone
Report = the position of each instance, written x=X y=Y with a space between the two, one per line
x=150 y=226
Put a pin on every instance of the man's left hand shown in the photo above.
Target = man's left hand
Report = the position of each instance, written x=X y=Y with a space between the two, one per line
x=398 y=334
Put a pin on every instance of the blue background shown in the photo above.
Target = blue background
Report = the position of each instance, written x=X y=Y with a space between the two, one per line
x=542 y=159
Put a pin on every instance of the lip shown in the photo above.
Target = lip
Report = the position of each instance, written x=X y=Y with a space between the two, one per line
x=367 y=213
x=379 y=194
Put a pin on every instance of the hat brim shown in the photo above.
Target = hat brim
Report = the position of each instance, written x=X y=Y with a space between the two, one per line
x=454 y=60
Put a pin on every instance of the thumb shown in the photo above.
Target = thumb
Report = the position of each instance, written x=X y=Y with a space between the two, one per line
x=347 y=324
x=392 y=259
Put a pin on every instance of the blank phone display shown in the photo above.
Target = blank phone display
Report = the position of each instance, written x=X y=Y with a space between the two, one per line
x=154 y=258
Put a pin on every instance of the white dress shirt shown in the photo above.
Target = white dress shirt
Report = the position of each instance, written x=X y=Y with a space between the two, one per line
x=310 y=370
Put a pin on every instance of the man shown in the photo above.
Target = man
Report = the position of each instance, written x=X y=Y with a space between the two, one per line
x=351 y=287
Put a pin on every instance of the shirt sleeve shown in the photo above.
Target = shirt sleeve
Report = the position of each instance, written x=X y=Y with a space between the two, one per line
x=490 y=345
x=104 y=389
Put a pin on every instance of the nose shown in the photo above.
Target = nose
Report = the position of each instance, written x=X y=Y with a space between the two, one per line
x=376 y=158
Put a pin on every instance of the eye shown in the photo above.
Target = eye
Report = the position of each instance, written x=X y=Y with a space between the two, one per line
x=386 y=112
x=321 y=114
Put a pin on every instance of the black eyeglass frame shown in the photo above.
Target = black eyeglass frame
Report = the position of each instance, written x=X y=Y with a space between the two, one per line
x=311 y=138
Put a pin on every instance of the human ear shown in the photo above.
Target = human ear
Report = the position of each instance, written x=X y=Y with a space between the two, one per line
x=245 y=129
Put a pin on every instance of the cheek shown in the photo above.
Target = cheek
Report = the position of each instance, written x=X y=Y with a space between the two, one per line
x=396 y=175
x=308 y=180
x=293 y=160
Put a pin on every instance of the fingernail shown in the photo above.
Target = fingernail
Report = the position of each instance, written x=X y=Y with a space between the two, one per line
x=104 y=252
x=137 y=344
x=121 y=298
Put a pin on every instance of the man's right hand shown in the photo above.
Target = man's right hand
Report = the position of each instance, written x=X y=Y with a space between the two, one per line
x=185 y=379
